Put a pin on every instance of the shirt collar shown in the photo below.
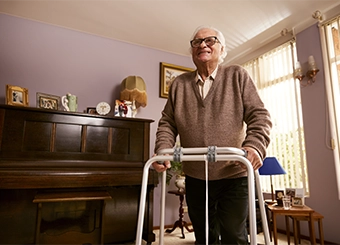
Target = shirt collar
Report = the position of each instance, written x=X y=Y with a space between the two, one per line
x=212 y=75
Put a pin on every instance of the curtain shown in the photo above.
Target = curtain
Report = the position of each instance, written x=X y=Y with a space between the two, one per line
x=330 y=41
x=273 y=74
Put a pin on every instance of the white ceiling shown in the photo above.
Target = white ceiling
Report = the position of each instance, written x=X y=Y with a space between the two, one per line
x=168 y=24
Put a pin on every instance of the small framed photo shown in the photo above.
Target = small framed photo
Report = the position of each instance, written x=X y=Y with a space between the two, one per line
x=48 y=101
x=290 y=192
x=295 y=192
x=16 y=95
x=91 y=110
x=279 y=194
x=299 y=192
x=298 y=202
x=168 y=73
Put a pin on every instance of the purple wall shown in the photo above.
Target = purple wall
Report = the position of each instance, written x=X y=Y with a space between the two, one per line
x=321 y=167
x=54 y=60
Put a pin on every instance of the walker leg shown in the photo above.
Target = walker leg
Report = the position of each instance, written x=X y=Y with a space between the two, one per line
x=252 y=209
x=162 y=209
x=262 y=209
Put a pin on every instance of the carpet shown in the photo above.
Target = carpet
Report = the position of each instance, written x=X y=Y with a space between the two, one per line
x=175 y=238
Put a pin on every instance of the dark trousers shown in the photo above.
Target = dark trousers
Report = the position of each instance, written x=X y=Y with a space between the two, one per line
x=227 y=208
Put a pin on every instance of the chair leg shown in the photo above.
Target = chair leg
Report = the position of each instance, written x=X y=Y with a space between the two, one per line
x=38 y=224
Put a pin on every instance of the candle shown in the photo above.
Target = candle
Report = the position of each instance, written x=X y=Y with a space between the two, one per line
x=311 y=60
x=297 y=65
x=298 y=70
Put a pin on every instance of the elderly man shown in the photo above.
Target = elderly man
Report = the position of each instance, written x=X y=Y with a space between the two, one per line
x=216 y=105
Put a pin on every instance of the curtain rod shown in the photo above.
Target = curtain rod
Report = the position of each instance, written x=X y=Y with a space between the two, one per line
x=327 y=22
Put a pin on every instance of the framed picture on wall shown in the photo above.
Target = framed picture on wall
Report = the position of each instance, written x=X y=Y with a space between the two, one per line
x=16 y=95
x=168 y=73
x=48 y=101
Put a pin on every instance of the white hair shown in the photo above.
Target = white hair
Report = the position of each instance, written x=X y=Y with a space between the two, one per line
x=220 y=38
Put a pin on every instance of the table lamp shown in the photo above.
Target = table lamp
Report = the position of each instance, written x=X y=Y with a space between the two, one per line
x=133 y=92
x=133 y=89
x=271 y=166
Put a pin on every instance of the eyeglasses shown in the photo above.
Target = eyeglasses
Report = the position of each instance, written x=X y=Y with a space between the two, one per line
x=210 y=41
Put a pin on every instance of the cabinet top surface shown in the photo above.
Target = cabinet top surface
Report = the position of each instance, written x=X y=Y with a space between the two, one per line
x=82 y=114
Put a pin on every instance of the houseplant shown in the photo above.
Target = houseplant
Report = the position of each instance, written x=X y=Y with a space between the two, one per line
x=176 y=170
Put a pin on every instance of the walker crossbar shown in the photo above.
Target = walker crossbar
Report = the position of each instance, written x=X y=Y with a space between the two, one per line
x=200 y=154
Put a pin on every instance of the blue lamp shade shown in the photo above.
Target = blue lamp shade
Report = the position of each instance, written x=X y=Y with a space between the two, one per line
x=271 y=166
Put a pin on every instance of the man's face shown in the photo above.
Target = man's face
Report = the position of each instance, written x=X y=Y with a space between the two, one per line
x=205 y=53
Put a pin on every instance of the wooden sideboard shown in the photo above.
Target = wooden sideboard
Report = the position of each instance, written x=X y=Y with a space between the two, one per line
x=54 y=151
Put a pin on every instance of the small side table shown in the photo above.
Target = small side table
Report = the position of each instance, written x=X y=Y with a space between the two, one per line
x=304 y=211
x=180 y=222
x=296 y=224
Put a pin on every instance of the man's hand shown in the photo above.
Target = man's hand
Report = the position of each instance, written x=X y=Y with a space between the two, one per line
x=161 y=167
x=254 y=158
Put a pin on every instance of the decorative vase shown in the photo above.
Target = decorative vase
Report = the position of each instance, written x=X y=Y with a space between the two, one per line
x=70 y=102
x=134 y=109
x=180 y=183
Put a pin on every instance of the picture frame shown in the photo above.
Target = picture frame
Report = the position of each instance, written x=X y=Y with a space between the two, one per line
x=92 y=110
x=298 y=202
x=48 y=101
x=290 y=192
x=16 y=95
x=295 y=192
x=168 y=72
x=279 y=194
x=297 y=196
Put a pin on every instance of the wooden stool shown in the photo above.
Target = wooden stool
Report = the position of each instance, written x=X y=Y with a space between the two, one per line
x=296 y=226
x=41 y=198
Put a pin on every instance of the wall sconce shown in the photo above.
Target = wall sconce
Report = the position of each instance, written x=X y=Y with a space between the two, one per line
x=310 y=75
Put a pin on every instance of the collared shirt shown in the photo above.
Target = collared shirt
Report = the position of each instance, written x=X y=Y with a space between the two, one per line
x=204 y=86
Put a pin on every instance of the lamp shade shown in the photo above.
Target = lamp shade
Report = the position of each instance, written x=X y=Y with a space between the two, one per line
x=133 y=88
x=271 y=166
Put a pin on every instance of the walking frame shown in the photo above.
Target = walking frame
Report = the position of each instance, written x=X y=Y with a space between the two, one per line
x=207 y=154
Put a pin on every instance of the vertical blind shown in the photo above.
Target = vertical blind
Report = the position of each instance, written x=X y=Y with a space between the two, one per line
x=273 y=74
x=330 y=41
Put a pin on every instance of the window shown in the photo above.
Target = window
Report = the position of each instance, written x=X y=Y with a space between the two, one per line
x=273 y=74
x=330 y=39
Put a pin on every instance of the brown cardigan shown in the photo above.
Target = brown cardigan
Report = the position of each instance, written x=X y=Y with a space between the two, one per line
x=231 y=115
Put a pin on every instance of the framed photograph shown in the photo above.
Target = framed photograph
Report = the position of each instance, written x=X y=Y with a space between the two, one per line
x=298 y=202
x=16 y=95
x=295 y=192
x=168 y=73
x=290 y=192
x=279 y=194
x=48 y=101
x=91 y=110
x=299 y=192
